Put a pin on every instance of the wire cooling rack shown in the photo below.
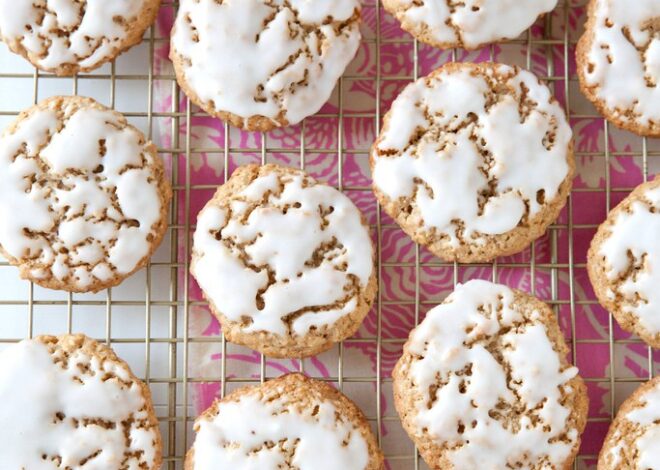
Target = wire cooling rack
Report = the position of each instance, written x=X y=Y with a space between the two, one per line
x=156 y=319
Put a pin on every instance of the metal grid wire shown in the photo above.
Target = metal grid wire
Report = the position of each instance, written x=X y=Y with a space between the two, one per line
x=170 y=346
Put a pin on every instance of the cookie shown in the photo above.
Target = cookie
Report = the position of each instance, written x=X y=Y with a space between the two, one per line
x=469 y=24
x=618 y=63
x=474 y=161
x=69 y=402
x=484 y=378
x=83 y=195
x=289 y=422
x=286 y=263
x=70 y=36
x=261 y=64
x=624 y=262
x=633 y=441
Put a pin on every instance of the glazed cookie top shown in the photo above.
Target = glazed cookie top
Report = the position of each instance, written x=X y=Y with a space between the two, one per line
x=65 y=35
x=275 y=60
x=620 y=62
x=470 y=23
x=284 y=254
x=68 y=402
x=629 y=256
x=489 y=382
x=476 y=150
x=82 y=195
x=634 y=438
x=278 y=426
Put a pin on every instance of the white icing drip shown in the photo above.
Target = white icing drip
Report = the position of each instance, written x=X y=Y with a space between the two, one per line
x=228 y=64
x=236 y=437
x=77 y=207
x=286 y=242
x=33 y=389
x=536 y=376
x=648 y=415
x=92 y=37
x=451 y=167
x=479 y=21
x=637 y=232
x=622 y=83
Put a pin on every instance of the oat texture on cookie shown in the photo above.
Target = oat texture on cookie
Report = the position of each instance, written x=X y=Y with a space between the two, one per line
x=624 y=262
x=484 y=379
x=83 y=196
x=68 y=36
x=68 y=402
x=474 y=161
x=285 y=262
x=261 y=64
x=469 y=24
x=619 y=63
x=289 y=422
x=633 y=441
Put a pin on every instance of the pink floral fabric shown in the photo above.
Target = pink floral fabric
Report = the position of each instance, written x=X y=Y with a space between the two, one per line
x=334 y=147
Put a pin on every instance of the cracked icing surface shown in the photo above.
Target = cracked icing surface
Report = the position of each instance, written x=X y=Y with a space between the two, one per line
x=624 y=262
x=64 y=36
x=291 y=422
x=83 y=197
x=68 y=403
x=619 y=62
x=484 y=379
x=633 y=441
x=467 y=23
x=286 y=263
x=263 y=63
x=474 y=161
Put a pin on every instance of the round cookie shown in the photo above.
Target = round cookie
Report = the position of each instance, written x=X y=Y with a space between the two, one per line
x=624 y=262
x=469 y=24
x=83 y=195
x=474 y=161
x=633 y=441
x=285 y=262
x=70 y=36
x=69 y=402
x=261 y=64
x=484 y=378
x=618 y=63
x=289 y=422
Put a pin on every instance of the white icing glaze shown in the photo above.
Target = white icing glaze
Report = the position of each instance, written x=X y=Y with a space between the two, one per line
x=624 y=79
x=34 y=389
x=284 y=241
x=51 y=186
x=237 y=437
x=451 y=164
x=94 y=29
x=636 y=232
x=648 y=415
x=472 y=22
x=439 y=345
x=241 y=66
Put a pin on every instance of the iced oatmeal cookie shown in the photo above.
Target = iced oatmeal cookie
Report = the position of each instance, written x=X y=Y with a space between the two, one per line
x=69 y=402
x=285 y=262
x=83 y=195
x=474 y=161
x=484 y=383
x=470 y=24
x=624 y=262
x=70 y=36
x=619 y=63
x=633 y=441
x=289 y=422
x=261 y=64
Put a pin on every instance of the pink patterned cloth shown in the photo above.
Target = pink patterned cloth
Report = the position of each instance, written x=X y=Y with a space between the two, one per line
x=406 y=292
